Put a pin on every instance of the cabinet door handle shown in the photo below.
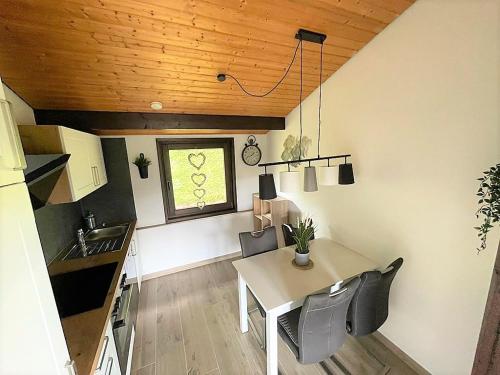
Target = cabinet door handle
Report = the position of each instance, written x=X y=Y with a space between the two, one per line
x=106 y=341
x=70 y=365
x=97 y=176
x=109 y=365
x=94 y=176
x=133 y=249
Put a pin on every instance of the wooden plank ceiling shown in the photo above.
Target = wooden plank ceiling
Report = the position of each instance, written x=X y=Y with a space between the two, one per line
x=119 y=55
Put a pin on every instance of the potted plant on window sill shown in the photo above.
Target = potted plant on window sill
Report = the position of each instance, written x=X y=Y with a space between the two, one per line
x=142 y=163
x=302 y=235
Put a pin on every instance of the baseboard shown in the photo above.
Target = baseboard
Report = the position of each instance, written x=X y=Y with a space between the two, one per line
x=189 y=266
x=414 y=365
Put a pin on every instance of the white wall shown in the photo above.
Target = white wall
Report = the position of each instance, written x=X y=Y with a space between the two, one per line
x=22 y=112
x=418 y=108
x=171 y=245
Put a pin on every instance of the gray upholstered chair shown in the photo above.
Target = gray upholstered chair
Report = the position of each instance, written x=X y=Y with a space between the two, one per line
x=254 y=243
x=370 y=305
x=288 y=234
x=316 y=330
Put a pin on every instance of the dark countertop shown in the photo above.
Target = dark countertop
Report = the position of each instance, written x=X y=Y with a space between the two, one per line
x=85 y=332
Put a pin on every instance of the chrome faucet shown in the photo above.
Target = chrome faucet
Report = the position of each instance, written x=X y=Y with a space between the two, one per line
x=81 y=241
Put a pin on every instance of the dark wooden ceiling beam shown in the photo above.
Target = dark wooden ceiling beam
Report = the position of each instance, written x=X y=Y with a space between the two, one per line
x=88 y=120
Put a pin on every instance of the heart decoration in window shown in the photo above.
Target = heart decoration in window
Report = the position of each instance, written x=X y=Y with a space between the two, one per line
x=198 y=179
x=199 y=193
x=200 y=205
x=197 y=160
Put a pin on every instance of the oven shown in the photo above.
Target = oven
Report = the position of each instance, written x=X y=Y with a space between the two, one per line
x=124 y=318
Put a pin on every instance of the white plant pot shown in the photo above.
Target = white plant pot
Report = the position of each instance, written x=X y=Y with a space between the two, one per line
x=301 y=259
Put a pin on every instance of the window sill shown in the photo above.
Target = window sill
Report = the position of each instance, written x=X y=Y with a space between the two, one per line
x=188 y=219
x=201 y=216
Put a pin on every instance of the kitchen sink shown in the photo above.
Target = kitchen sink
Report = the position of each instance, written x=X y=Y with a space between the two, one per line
x=105 y=233
x=98 y=241
x=83 y=290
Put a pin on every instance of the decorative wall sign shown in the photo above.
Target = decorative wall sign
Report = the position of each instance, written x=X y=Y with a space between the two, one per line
x=199 y=193
x=198 y=179
x=197 y=160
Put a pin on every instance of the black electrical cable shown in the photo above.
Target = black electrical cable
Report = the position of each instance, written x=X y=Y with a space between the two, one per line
x=277 y=84
x=320 y=84
x=300 y=104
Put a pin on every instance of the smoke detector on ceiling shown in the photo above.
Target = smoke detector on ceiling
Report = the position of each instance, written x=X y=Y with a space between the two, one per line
x=156 y=105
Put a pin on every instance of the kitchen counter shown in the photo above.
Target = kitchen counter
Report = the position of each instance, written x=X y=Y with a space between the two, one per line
x=85 y=332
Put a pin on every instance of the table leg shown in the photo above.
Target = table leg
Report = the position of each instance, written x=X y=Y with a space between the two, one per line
x=272 y=343
x=242 y=293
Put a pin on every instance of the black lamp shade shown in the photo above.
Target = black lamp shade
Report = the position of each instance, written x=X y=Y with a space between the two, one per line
x=346 y=175
x=267 y=190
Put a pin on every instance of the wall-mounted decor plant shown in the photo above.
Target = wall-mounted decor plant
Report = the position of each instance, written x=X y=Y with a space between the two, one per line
x=489 y=203
x=142 y=163
x=293 y=149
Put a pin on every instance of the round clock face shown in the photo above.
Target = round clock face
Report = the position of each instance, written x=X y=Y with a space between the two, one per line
x=251 y=155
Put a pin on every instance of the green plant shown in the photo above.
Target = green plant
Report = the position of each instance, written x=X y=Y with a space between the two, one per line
x=302 y=234
x=142 y=161
x=293 y=149
x=489 y=202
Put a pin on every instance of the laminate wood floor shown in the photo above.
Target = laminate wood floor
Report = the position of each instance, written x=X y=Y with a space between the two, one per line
x=188 y=324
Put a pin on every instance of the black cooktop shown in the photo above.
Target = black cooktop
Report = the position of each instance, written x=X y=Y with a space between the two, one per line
x=83 y=290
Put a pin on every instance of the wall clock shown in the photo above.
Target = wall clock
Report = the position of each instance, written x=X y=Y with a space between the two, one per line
x=251 y=154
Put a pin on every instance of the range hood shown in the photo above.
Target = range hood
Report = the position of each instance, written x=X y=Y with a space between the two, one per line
x=41 y=176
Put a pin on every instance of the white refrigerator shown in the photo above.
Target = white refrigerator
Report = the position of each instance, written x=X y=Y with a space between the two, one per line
x=31 y=337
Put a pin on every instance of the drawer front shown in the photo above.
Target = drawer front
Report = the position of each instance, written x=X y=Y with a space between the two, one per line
x=108 y=359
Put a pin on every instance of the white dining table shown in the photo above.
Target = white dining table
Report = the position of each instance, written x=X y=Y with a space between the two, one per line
x=280 y=287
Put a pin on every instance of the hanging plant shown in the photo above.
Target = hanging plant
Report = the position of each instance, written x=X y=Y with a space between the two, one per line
x=293 y=149
x=142 y=163
x=489 y=203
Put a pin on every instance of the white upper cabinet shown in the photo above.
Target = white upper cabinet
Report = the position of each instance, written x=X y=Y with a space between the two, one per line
x=97 y=162
x=85 y=171
x=12 y=160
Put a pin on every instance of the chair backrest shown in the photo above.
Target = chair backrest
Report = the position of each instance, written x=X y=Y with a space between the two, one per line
x=369 y=307
x=322 y=328
x=288 y=234
x=253 y=243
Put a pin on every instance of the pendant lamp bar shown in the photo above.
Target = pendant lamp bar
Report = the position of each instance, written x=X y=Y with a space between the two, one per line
x=345 y=156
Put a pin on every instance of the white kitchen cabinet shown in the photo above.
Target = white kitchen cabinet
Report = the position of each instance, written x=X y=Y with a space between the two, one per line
x=12 y=160
x=108 y=359
x=133 y=265
x=97 y=162
x=85 y=171
x=31 y=336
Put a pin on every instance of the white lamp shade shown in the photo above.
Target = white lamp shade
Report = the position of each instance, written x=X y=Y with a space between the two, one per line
x=290 y=181
x=310 y=182
x=328 y=176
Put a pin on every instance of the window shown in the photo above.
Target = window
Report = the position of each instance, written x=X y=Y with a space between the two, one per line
x=197 y=176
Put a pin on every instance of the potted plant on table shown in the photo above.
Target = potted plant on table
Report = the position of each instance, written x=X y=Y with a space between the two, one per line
x=302 y=235
x=142 y=163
